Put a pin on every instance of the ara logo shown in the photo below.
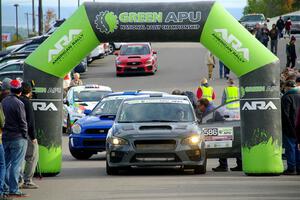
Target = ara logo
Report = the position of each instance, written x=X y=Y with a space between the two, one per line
x=259 y=105
x=233 y=42
x=63 y=42
x=43 y=106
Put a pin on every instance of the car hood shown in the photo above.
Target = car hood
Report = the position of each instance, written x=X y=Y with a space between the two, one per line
x=134 y=58
x=94 y=122
x=157 y=130
x=250 y=23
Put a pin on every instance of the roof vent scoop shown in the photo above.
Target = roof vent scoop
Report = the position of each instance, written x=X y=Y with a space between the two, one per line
x=145 y=128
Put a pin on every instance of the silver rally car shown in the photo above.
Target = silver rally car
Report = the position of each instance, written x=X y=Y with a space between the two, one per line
x=155 y=131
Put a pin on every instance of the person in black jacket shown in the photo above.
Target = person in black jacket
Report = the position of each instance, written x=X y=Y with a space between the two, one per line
x=32 y=153
x=290 y=104
x=280 y=26
x=14 y=137
x=291 y=53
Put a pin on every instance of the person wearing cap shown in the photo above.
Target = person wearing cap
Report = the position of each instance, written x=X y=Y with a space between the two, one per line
x=32 y=154
x=205 y=91
x=290 y=104
x=14 y=137
x=210 y=62
x=291 y=53
x=231 y=93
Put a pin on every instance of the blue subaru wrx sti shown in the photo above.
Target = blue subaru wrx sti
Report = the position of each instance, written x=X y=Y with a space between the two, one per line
x=89 y=133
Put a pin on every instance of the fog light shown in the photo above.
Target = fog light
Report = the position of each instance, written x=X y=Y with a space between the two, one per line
x=113 y=154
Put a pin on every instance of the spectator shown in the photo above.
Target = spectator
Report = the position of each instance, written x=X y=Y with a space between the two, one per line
x=2 y=158
x=204 y=106
x=274 y=39
x=32 y=154
x=14 y=137
x=226 y=72
x=280 y=26
x=288 y=26
x=298 y=132
x=265 y=35
x=291 y=53
x=231 y=93
x=189 y=94
x=211 y=64
x=290 y=104
x=205 y=91
x=5 y=88
x=76 y=81
x=259 y=33
x=221 y=69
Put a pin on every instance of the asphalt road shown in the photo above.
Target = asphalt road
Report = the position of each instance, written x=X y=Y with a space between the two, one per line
x=181 y=66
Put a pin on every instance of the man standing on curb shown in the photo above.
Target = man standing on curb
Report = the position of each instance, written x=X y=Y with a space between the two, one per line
x=14 y=137
x=32 y=153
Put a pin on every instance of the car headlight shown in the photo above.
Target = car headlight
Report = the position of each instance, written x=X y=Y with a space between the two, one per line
x=149 y=62
x=192 y=140
x=118 y=62
x=117 y=141
x=76 y=129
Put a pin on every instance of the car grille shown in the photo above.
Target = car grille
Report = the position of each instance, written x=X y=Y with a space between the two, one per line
x=94 y=143
x=139 y=69
x=155 y=157
x=97 y=131
x=134 y=63
x=155 y=144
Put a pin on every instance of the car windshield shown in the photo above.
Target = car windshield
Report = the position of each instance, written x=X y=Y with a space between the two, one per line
x=107 y=106
x=89 y=95
x=127 y=50
x=252 y=18
x=156 y=110
x=294 y=18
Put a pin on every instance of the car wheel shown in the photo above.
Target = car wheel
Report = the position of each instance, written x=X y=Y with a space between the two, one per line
x=69 y=127
x=111 y=170
x=201 y=169
x=111 y=48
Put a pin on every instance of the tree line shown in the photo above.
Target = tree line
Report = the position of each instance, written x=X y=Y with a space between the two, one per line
x=272 y=8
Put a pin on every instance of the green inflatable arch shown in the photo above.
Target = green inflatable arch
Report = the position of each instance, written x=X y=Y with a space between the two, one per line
x=206 y=22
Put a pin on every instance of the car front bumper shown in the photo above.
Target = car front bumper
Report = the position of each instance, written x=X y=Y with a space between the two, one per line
x=87 y=142
x=181 y=156
x=129 y=69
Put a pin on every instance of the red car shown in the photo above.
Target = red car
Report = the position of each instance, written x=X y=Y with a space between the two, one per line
x=136 y=58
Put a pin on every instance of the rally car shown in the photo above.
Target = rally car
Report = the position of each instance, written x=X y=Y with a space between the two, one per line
x=89 y=133
x=136 y=58
x=155 y=131
x=79 y=99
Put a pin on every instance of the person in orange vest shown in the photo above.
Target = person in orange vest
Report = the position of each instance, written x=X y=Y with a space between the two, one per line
x=205 y=91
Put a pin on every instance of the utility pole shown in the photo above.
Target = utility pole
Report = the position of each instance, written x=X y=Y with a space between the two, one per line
x=27 y=19
x=33 y=17
x=58 y=9
x=17 y=21
x=0 y=25
x=40 y=11
x=78 y=3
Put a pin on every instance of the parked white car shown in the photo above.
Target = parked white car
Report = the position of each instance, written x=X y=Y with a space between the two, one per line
x=79 y=99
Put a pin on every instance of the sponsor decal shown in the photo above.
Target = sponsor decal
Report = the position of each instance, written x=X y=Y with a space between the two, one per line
x=259 y=105
x=218 y=137
x=43 y=90
x=64 y=45
x=232 y=44
x=108 y=22
x=255 y=89
x=43 y=106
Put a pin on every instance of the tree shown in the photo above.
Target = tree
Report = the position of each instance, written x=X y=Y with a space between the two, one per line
x=271 y=8
x=50 y=17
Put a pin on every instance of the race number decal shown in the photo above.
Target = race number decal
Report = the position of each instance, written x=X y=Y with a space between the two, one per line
x=218 y=137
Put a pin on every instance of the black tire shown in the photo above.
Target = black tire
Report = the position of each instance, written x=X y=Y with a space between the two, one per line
x=201 y=169
x=111 y=48
x=68 y=128
x=111 y=170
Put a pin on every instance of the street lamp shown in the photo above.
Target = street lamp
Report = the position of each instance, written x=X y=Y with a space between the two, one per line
x=78 y=3
x=58 y=9
x=17 y=22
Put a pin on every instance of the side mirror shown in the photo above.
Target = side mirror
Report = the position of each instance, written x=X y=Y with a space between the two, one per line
x=65 y=101
x=87 y=112
x=116 y=53
x=154 y=52
x=268 y=19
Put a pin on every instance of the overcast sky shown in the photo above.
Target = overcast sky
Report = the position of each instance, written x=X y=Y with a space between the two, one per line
x=226 y=3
